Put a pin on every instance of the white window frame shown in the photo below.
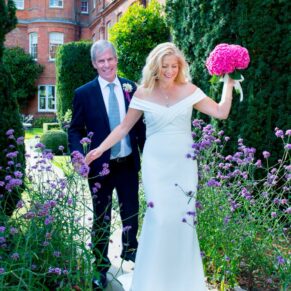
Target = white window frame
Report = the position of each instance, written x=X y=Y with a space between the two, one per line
x=46 y=109
x=33 y=45
x=19 y=4
x=87 y=10
x=119 y=16
x=55 y=39
x=108 y=26
x=56 y=3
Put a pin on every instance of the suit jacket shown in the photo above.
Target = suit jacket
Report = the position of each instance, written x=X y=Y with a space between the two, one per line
x=89 y=115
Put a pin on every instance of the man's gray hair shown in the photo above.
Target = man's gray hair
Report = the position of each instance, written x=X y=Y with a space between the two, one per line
x=99 y=47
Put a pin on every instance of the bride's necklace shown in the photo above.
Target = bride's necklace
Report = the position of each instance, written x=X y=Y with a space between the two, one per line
x=166 y=98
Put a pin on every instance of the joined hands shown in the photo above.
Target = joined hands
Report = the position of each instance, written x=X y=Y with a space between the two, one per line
x=93 y=155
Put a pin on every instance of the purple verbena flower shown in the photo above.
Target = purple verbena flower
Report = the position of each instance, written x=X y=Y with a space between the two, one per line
x=280 y=260
x=127 y=228
x=20 y=140
x=85 y=140
x=15 y=256
x=266 y=154
x=150 y=204
x=10 y=131
x=279 y=132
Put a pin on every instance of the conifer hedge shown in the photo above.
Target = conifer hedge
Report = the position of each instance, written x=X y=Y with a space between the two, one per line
x=73 y=69
x=260 y=26
x=9 y=119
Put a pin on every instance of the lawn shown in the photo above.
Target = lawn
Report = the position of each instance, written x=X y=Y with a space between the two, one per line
x=31 y=133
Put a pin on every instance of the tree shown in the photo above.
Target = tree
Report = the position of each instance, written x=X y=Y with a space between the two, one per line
x=138 y=31
x=24 y=79
x=260 y=26
x=73 y=69
x=9 y=117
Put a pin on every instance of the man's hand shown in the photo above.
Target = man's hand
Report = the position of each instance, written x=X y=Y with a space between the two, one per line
x=93 y=155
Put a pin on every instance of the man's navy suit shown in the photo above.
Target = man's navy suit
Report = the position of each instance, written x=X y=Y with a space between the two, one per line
x=89 y=115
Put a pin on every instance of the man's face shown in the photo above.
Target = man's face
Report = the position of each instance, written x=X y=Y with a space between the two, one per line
x=106 y=65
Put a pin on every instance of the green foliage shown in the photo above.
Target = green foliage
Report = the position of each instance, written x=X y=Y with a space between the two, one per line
x=73 y=69
x=8 y=20
x=50 y=126
x=52 y=139
x=38 y=122
x=45 y=240
x=24 y=78
x=241 y=227
x=9 y=118
x=138 y=31
x=260 y=26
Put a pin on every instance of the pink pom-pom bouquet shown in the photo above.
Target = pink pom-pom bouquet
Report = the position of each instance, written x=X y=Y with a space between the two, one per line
x=226 y=58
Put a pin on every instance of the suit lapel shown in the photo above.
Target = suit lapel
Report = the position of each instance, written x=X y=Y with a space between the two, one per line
x=126 y=102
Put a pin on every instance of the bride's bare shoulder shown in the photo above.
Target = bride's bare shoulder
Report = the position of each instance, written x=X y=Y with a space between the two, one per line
x=188 y=88
x=141 y=92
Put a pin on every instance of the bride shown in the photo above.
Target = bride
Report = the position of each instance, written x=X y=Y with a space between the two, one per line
x=168 y=256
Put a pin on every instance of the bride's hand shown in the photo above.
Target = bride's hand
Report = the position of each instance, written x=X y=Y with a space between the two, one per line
x=93 y=155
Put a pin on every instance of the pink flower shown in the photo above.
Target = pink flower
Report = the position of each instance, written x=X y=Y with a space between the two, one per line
x=225 y=59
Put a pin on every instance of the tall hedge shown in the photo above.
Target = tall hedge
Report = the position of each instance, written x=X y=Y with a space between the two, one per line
x=9 y=119
x=24 y=79
x=73 y=69
x=262 y=27
x=137 y=32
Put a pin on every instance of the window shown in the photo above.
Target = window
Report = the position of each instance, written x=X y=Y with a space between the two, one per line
x=56 y=3
x=94 y=4
x=118 y=16
x=19 y=4
x=33 y=45
x=56 y=39
x=108 y=25
x=84 y=6
x=46 y=98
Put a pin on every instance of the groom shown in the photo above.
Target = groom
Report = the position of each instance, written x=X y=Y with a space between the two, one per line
x=98 y=107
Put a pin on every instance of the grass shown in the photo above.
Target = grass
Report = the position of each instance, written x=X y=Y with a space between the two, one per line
x=31 y=133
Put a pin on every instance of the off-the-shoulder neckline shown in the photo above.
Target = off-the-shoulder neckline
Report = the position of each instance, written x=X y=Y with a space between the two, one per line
x=178 y=102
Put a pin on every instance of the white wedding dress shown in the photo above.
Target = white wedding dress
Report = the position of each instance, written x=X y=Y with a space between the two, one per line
x=168 y=256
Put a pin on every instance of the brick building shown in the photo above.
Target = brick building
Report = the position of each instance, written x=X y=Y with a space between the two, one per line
x=43 y=25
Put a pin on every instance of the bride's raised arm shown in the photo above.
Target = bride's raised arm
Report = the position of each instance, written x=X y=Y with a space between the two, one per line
x=119 y=132
x=218 y=110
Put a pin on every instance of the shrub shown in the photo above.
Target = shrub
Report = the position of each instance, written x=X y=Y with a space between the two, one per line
x=24 y=78
x=73 y=69
x=137 y=32
x=38 y=122
x=198 y=26
x=50 y=126
x=12 y=161
x=53 y=139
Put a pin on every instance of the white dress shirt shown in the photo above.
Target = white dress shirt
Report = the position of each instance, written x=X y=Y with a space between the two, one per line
x=125 y=146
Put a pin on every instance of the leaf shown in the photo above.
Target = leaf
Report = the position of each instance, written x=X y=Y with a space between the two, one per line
x=214 y=79
x=235 y=75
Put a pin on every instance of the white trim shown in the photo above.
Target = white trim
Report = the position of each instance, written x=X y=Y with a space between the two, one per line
x=56 y=5
x=33 y=40
x=87 y=11
x=46 y=98
x=55 y=39
x=19 y=4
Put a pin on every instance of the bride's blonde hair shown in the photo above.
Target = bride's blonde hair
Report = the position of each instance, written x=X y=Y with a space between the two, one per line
x=152 y=69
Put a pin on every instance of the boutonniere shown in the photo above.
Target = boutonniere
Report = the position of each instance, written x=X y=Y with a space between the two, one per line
x=127 y=88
